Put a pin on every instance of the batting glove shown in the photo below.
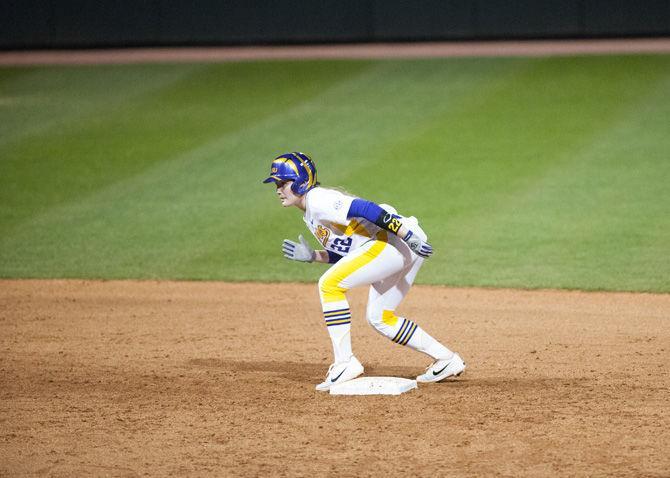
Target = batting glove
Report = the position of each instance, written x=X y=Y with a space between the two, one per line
x=418 y=245
x=298 y=251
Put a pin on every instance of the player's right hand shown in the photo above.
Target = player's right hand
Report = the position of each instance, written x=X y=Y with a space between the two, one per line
x=298 y=251
x=418 y=245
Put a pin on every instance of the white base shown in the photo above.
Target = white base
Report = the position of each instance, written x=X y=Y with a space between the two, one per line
x=374 y=386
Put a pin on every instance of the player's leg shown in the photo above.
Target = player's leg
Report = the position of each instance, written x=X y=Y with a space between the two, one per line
x=384 y=298
x=366 y=265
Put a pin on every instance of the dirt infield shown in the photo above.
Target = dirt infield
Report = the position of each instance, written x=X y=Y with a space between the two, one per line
x=215 y=379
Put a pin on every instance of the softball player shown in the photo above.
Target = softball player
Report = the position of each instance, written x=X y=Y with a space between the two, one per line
x=368 y=244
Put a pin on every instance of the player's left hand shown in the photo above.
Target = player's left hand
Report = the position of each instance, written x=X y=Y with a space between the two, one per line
x=419 y=246
x=298 y=251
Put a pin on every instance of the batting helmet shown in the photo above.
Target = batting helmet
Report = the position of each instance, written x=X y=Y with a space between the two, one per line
x=296 y=167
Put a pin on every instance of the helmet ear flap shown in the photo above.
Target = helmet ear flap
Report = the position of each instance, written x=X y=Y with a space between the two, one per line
x=306 y=172
x=296 y=186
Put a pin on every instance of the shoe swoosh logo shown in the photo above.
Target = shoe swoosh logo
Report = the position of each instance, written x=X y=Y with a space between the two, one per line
x=441 y=370
x=335 y=379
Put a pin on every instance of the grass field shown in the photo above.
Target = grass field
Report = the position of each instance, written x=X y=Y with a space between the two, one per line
x=526 y=173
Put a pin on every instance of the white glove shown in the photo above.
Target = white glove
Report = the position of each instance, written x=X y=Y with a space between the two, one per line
x=298 y=251
x=419 y=246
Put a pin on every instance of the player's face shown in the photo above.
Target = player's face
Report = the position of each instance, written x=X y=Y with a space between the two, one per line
x=286 y=194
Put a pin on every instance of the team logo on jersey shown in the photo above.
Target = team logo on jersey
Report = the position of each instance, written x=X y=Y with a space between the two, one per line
x=322 y=234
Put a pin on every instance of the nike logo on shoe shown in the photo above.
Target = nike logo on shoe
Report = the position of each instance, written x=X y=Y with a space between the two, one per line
x=333 y=380
x=441 y=370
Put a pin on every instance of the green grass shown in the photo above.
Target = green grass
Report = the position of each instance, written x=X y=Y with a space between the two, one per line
x=525 y=173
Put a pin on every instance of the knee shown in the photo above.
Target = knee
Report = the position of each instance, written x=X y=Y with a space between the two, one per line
x=382 y=320
x=330 y=289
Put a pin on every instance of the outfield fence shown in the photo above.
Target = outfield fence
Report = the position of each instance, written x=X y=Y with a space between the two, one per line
x=80 y=24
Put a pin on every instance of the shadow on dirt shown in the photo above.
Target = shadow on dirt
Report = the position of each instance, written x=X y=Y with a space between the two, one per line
x=312 y=372
x=296 y=370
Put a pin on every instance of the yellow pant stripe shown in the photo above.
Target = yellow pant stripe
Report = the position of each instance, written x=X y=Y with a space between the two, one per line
x=331 y=291
x=389 y=318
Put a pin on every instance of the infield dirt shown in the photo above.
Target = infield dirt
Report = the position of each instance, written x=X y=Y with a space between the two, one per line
x=216 y=379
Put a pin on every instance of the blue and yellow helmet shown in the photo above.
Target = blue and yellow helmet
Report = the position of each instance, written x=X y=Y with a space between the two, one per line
x=296 y=167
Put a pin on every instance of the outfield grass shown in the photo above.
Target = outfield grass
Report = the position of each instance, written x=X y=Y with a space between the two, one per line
x=525 y=172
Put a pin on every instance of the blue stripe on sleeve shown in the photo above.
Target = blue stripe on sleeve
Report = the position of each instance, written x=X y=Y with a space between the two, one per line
x=365 y=209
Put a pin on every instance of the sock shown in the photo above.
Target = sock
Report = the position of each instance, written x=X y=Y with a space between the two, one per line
x=338 y=320
x=423 y=342
x=410 y=334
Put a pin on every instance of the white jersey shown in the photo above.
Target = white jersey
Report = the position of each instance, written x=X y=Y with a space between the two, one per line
x=326 y=217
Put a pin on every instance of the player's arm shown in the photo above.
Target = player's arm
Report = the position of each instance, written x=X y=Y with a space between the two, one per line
x=326 y=257
x=303 y=252
x=390 y=222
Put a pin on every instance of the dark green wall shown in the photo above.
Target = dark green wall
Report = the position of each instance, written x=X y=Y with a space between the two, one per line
x=90 y=23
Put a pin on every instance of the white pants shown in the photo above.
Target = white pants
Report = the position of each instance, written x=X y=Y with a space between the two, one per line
x=390 y=269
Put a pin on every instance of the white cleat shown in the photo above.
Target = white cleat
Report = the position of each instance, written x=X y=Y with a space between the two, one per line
x=341 y=372
x=442 y=369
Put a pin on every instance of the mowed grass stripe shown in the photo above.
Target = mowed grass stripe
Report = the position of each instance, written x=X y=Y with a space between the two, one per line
x=87 y=153
x=196 y=207
x=138 y=224
x=544 y=189
x=562 y=210
x=467 y=145
x=39 y=99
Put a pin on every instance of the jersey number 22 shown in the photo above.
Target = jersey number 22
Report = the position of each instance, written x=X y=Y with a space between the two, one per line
x=342 y=245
